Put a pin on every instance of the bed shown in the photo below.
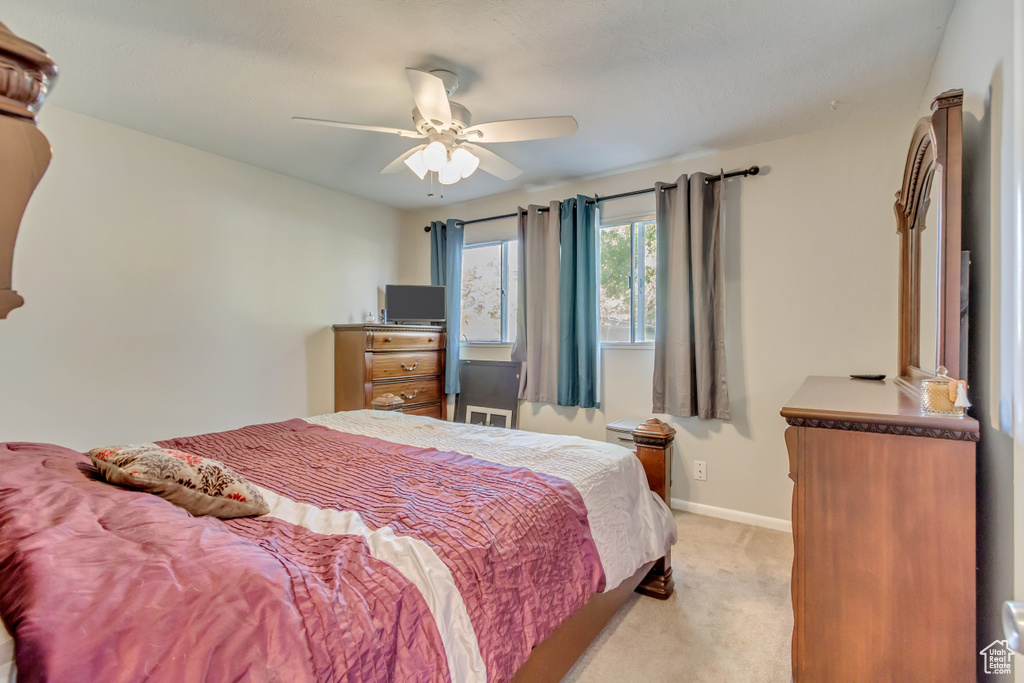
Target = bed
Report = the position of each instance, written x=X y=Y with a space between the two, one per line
x=397 y=548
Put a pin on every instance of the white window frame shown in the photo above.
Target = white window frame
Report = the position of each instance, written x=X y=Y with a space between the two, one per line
x=507 y=335
x=635 y=322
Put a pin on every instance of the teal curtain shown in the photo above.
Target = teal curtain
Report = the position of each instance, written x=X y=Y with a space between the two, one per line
x=446 y=269
x=578 y=314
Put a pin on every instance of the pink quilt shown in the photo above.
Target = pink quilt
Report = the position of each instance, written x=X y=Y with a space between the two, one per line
x=101 y=583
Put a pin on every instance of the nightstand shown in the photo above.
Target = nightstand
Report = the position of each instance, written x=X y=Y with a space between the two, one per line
x=621 y=432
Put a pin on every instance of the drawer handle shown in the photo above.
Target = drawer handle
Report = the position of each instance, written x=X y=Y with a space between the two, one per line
x=402 y=393
x=387 y=339
x=431 y=339
x=414 y=366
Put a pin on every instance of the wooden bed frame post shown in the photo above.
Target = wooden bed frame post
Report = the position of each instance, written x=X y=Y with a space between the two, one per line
x=654 y=448
x=26 y=75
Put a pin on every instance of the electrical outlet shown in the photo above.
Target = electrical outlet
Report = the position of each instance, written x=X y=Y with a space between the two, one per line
x=700 y=470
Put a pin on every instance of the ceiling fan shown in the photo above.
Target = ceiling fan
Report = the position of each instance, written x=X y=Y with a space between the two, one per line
x=453 y=148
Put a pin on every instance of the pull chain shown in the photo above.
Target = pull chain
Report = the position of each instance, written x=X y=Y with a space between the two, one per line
x=431 y=193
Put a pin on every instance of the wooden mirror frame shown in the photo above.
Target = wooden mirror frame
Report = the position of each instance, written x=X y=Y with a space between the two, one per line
x=937 y=143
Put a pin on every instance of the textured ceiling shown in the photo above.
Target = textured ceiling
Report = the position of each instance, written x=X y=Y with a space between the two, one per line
x=646 y=80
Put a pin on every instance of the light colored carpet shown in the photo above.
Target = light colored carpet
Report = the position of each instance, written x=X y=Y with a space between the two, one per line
x=730 y=618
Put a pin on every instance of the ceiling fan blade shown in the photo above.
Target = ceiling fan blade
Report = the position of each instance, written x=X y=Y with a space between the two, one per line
x=431 y=98
x=516 y=130
x=493 y=164
x=399 y=163
x=359 y=126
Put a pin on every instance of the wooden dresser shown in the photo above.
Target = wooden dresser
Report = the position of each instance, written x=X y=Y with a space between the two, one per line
x=884 y=534
x=404 y=360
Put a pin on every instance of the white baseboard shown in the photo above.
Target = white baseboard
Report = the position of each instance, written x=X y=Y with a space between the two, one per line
x=733 y=515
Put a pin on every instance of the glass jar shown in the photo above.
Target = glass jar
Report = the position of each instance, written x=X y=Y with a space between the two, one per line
x=939 y=396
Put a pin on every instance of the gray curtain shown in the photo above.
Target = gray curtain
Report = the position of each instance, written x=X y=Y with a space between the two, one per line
x=446 y=269
x=689 y=346
x=537 y=323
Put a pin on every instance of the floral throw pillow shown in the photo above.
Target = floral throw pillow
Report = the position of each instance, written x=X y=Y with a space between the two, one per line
x=200 y=485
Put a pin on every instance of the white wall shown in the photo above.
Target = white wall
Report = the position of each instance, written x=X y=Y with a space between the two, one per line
x=811 y=268
x=170 y=291
x=977 y=56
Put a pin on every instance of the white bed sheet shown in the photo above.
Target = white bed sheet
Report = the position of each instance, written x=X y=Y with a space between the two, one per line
x=630 y=525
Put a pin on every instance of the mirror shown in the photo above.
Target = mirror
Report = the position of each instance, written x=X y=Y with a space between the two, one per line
x=927 y=236
x=928 y=222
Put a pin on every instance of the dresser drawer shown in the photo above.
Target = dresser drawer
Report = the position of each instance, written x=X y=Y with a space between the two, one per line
x=406 y=364
x=427 y=411
x=387 y=341
x=413 y=391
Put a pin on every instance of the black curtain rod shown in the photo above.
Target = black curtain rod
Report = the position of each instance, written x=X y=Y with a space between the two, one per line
x=753 y=170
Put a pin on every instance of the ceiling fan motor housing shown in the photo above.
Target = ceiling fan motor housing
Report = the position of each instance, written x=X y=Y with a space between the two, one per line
x=461 y=119
x=450 y=80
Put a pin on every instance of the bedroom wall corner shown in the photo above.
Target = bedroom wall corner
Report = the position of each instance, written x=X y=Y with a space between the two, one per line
x=170 y=291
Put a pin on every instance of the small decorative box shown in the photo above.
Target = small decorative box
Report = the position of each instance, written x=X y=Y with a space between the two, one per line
x=943 y=395
x=387 y=402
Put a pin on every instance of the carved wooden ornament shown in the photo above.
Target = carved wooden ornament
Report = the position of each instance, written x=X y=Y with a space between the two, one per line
x=654 y=432
x=26 y=75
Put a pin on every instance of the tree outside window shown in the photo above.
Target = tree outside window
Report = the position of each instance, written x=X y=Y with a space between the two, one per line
x=489 y=291
x=629 y=253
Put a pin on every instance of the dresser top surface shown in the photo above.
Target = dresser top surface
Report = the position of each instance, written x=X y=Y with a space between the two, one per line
x=844 y=399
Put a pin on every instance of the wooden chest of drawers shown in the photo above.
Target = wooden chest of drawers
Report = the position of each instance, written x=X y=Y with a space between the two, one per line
x=884 y=535
x=404 y=360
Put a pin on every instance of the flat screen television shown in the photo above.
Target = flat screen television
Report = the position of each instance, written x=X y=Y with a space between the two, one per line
x=415 y=303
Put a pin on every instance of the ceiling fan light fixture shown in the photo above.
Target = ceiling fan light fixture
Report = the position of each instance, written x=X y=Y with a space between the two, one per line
x=450 y=174
x=456 y=162
x=469 y=161
x=435 y=156
x=416 y=164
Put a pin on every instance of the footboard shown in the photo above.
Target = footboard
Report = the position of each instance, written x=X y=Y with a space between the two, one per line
x=653 y=441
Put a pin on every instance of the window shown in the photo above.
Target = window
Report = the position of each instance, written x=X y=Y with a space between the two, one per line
x=629 y=253
x=490 y=284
